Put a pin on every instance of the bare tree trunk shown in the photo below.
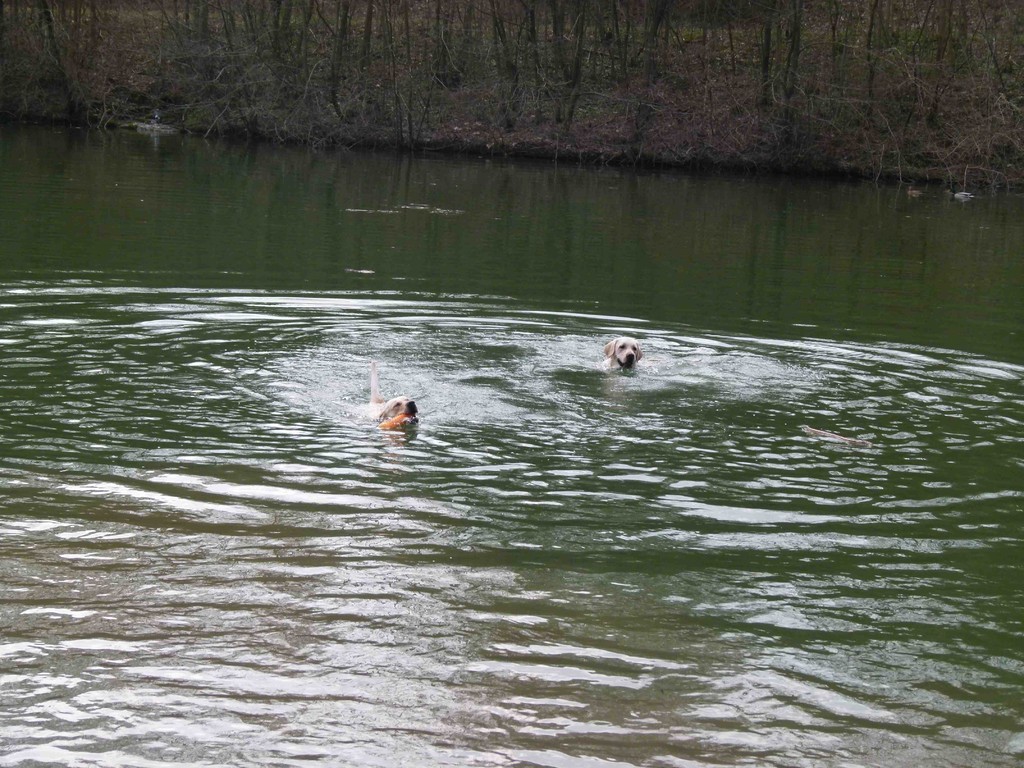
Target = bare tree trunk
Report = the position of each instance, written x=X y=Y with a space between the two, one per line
x=278 y=8
x=303 y=42
x=869 y=48
x=74 y=104
x=446 y=69
x=766 y=57
x=575 y=78
x=341 y=33
x=657 y=11
x=508 y=69
x=789 y=79
x=568 y=29
x=3 y=40
x=46 y=25
x=367 y=35
x=620 y=41
x=201 y=18
x=942 y=43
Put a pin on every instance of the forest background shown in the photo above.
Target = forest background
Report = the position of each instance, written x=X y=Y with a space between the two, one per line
x=903 y=89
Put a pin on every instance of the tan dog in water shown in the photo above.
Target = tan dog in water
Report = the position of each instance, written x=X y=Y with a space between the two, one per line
x=389 y=410
x=622 y=352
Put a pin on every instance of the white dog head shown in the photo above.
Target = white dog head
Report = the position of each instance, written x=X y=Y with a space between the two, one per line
x=623 y=352
x=396 y=406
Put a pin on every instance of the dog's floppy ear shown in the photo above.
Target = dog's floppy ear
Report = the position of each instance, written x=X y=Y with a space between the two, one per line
x=609 y=348
x=639 y=352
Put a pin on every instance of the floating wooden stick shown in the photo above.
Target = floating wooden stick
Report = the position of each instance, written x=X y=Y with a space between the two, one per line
x=833 y=436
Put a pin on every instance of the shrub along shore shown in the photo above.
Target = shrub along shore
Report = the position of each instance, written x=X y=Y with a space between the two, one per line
x=898 y=89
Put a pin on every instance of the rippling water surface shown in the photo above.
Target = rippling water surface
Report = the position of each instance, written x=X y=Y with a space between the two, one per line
x=209 y=555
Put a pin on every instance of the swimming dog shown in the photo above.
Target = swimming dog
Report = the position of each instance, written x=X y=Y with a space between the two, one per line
x=393 y=412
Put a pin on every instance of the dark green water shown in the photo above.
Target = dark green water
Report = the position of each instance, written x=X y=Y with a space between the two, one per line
x=209 y=555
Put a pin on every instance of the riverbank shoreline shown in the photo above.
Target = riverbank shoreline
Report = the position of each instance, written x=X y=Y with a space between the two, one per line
x=553 y=151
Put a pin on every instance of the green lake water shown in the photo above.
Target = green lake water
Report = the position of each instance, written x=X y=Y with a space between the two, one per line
x=211 y=556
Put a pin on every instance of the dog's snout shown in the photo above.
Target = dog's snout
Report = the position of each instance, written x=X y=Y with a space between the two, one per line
x=410 y=408
x=629 y=359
